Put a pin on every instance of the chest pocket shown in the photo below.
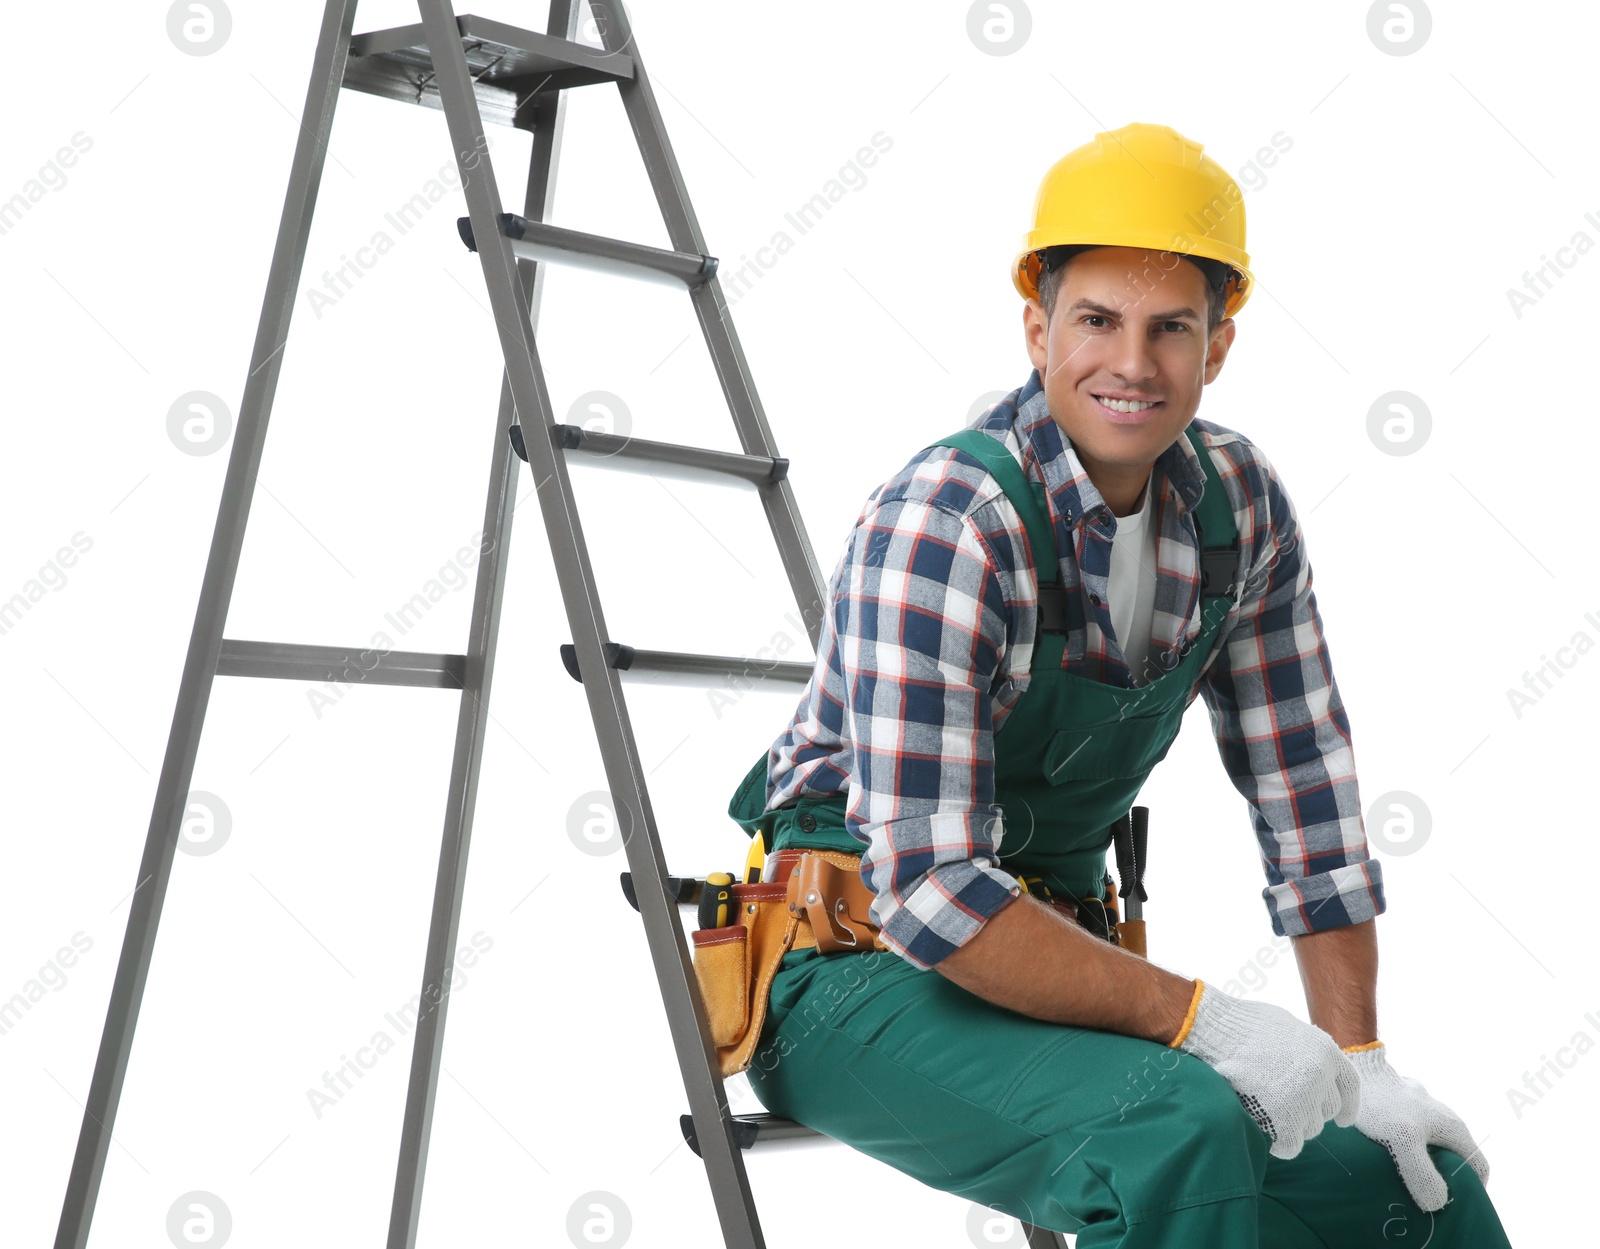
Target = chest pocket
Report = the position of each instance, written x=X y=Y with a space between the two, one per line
x=1118 y=749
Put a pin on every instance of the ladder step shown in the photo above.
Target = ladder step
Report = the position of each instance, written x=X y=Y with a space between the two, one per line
x=681 y=668
x=538 y=240
x=508 y=66
x=663 y=459
x=294 y=661
x=684 y=890
x=752 y=1130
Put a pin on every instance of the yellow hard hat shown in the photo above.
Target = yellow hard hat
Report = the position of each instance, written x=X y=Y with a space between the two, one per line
x=1141 y=186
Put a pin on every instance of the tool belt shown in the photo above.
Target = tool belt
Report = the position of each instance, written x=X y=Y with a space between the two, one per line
x=814 y=899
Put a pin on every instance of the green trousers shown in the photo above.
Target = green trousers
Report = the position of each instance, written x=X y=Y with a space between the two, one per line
x=1122 y=1141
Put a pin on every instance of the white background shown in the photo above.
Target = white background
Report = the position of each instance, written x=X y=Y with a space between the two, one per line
x=1414 y=191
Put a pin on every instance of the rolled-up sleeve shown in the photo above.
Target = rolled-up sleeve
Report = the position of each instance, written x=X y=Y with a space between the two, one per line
x=1284 y=737
x=921 y=620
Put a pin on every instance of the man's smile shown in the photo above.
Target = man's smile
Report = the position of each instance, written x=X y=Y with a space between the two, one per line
x=1126 y=409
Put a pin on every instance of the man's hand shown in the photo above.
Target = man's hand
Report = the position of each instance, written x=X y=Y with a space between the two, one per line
x=1399 y=1114
x=1288 y=1074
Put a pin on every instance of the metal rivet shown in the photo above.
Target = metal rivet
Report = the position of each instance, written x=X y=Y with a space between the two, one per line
x=811 y=897
x=750 y=908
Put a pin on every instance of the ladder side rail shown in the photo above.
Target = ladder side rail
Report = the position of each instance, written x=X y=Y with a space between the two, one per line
x=625 y=775
x=450 y=880
x=205 y=639
x=733 y=371
x=546 y=121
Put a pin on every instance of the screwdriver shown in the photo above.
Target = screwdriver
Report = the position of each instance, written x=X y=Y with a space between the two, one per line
x=716 y=900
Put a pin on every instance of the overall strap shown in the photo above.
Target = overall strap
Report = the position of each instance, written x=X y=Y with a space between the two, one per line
x=1028 y=497
x=1032 y=504
x=1214 y=524
x=1219 y=534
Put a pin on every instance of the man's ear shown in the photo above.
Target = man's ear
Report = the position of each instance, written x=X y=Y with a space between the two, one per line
x=1217 y=351
x=1036 y=334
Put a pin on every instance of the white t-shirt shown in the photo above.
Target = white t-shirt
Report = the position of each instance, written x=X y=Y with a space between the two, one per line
x=1131 y=589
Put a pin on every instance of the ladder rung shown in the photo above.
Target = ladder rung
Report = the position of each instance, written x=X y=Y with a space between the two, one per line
x=538 y=240
x=295 y=661
x=680 y=668
x=508 y=66
x=752 y=1130
x=666 y=459
x=684 y=890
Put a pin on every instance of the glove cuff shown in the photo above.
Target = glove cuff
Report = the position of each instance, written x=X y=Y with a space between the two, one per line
x=1357 y=1049
x=1188 y=1020
x=1218 y=1025
x=1370 y=1061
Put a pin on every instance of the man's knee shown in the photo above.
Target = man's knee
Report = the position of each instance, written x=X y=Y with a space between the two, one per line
x=1188 y=1136
x=1463 y=1182
x=1468 y=1219
x=1219 y=1118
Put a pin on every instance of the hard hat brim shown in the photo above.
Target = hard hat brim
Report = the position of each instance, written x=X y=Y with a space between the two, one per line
x=1027 y=266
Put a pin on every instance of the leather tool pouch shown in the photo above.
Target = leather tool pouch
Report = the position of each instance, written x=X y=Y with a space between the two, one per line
x=834 y=901
x=818 y=900
x=734 y=966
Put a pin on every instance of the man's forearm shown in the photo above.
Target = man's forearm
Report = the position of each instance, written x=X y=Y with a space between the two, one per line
x=1339 y=970
x=1030 y=958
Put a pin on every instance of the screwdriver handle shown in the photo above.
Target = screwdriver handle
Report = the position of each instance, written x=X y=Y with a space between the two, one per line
x=1122 y=837
x=716 y=900
x=1141 y=841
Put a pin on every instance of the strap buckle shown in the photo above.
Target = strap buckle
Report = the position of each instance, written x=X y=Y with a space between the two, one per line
x=1218 y=567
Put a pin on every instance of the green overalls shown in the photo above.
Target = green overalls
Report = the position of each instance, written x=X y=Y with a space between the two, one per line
x=1124 y=1141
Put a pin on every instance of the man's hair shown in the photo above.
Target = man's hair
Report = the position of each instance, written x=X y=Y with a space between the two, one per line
x=1055 y=266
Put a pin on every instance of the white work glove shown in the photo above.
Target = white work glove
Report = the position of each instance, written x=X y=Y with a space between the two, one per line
x=1398 y=1113
x=1291 y=1076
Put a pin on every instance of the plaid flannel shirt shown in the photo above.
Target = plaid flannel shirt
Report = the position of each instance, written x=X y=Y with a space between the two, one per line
x=926 y=645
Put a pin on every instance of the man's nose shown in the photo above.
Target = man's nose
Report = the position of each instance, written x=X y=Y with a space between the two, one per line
x=1132 y=359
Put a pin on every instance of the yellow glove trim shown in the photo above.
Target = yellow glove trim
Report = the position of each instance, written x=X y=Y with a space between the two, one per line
x=1188 y=1020
x=1356 y=1049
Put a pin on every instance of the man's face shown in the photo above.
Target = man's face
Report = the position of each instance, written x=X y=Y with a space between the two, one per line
x=1128 y=324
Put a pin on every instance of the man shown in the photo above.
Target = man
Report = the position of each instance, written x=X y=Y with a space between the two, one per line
x=1014 y=630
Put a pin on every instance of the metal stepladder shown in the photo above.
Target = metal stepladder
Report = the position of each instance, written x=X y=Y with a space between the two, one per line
x=479 y=71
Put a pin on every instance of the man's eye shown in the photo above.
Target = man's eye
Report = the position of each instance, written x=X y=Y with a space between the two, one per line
x=1181 y=325
x=1094 y=316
